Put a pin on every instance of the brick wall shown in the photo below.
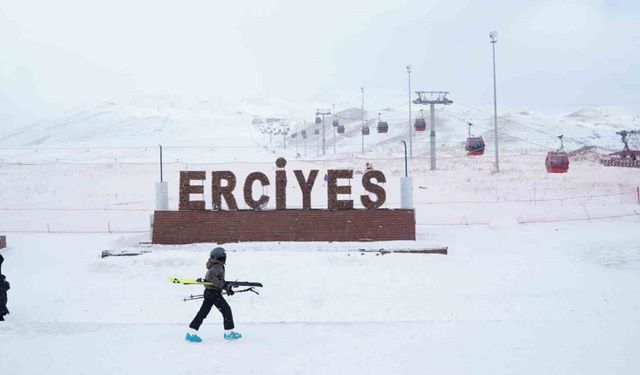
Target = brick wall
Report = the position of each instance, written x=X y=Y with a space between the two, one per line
x=184 y=227
x=3 y=242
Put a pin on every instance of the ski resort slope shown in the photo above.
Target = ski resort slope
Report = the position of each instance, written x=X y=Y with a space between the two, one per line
x=542 y=275
x=233 y=129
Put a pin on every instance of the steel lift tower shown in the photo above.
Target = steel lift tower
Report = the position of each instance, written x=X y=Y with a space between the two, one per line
x=432 y=98
x=323 y=112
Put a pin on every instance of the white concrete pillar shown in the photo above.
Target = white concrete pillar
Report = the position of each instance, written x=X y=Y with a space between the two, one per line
x=406 y=192
x=162 y=196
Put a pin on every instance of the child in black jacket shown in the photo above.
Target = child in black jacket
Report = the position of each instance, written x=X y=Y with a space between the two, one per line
x=4 y=286
x=213 y=297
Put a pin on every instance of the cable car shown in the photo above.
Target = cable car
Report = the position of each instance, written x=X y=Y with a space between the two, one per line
x=304 y=134
x=316 y=131
x=318 y=120
x=420 y=124
x=474 y=145
x=293 y=135
x=340 y=129
x=557 y=161
x=365 y=130
x=383 y=126
x=335 y=123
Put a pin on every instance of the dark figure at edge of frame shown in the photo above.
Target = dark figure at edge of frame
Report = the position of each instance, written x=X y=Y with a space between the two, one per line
x=213 y=297
x=4 y=286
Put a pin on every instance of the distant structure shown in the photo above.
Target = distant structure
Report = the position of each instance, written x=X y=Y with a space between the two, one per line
x=626 y=157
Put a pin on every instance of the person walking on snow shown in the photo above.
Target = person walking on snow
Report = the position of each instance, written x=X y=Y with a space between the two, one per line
x=213 y=297
x=4 y=286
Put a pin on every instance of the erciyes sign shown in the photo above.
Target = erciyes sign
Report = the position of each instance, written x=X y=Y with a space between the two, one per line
x=220 y=191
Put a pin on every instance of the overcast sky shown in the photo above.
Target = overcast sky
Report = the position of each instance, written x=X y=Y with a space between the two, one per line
x=63 y=55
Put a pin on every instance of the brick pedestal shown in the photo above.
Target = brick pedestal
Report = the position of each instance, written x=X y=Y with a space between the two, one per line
x=185 y=227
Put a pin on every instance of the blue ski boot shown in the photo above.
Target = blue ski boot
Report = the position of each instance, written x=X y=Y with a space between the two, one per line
x=192 y=337
x=232 y=336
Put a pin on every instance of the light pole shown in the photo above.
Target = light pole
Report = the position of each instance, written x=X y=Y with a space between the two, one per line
x=410 y=132
x=406 y=172
x=162 y=195
x=285 y=131
x=304 y=136
x=406 y=184
x=362 y=128
x=494 y=39
x=333 y=107
x=318 y=120
x=324 y=112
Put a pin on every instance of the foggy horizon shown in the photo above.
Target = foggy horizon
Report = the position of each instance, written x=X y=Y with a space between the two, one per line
x=64 y=56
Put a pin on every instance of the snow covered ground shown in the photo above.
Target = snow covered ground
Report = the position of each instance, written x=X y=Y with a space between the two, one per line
x=542 y=275
x=558 y=299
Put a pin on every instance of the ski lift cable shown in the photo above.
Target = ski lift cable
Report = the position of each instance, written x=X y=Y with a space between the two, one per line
x=513 y=121
x=524 y=126
x=512 y=136
x=528 y=127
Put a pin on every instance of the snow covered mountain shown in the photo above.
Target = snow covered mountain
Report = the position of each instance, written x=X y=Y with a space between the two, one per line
x=224 y=125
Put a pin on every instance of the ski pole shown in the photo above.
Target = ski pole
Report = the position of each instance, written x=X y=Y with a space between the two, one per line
x=200 y=296
x=247 y=290
x=192 y=297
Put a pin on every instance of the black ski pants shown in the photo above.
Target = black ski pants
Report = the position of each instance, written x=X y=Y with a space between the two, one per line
x=213 y=298
x=3 y=303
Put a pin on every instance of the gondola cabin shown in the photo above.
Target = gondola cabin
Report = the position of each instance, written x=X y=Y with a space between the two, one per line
x=340 y=129
x=474 y=146
x=335 y=123
x=383 y=127
x=318 y=120
x=420 y=125
x=557 y=162
x=316 y=131
x=294 y=135
x=304 y=134
x=365 y=130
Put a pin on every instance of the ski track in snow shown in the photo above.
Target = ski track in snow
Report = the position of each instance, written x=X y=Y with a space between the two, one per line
x=563 y=347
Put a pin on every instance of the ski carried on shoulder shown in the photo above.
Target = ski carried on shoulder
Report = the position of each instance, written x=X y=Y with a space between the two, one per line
x=200 y=281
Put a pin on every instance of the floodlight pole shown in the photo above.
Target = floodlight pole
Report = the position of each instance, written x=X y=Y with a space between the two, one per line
x=284 y=135
x=324 y=112
x=432 y=136
x=333 y=107
x=406 y=170
x=494 y=39
x=432 y=98
x=305 y=148
x=410 y=132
